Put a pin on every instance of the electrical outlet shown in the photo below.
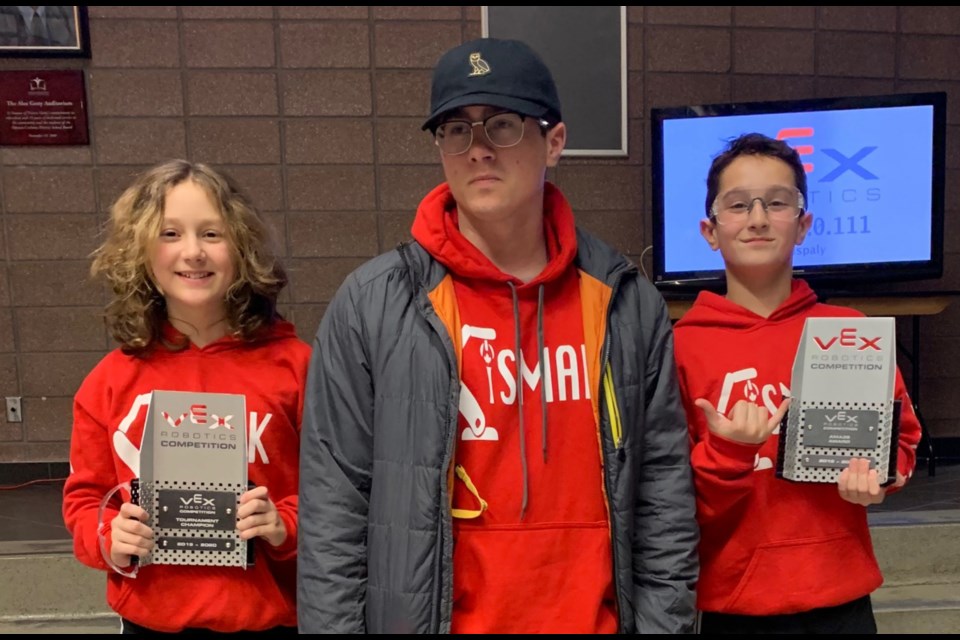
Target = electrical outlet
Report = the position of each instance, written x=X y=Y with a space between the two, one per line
x=13 y=409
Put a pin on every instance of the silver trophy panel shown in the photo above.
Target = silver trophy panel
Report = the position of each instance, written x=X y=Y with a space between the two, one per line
x=181 y=546
x=811 y=463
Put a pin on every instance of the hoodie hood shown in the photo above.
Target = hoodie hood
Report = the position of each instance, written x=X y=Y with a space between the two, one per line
x=172 y=338
x=715 y=311
x=436 y=227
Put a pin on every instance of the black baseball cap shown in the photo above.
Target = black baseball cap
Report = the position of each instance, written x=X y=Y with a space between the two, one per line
x=499 y=73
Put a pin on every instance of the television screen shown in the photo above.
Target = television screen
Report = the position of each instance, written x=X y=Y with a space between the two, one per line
x=875 y=176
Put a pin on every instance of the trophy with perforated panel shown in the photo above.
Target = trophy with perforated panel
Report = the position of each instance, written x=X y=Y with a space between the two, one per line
x=843 y=406
x=193 y=470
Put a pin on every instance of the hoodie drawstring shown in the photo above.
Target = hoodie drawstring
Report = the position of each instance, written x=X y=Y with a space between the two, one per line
x=518 y=358
x=543 y=374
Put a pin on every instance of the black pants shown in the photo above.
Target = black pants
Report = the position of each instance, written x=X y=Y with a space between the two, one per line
x=128 y=627
x=852 y=617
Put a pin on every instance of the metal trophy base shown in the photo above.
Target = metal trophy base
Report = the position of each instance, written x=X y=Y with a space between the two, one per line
x=194 y=523
x=808 y=452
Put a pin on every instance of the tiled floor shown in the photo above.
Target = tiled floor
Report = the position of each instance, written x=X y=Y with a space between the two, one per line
x=925 y=499
x=32 y=513
x=30 y=518
x=942 y=491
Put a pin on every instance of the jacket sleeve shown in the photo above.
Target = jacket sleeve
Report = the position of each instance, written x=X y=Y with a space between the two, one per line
x=335 y=470
x=665 y=561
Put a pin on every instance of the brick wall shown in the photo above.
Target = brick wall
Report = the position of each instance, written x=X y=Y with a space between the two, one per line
x=316 y=110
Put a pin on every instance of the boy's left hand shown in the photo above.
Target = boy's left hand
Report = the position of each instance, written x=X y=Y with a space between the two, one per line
x=258 y=517
x=860 y=484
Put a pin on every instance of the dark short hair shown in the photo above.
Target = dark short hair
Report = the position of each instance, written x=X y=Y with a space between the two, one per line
x=754 y=144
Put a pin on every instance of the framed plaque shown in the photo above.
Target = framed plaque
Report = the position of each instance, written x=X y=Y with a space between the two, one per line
x=193 y=470
x=843 y=405
x=43 y=108
x=44 y=31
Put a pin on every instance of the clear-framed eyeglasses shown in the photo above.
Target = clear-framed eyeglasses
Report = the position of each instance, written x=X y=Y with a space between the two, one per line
x=503 y=130
x=734 y=207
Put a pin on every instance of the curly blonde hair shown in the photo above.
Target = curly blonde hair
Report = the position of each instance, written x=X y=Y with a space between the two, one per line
x=137 y=313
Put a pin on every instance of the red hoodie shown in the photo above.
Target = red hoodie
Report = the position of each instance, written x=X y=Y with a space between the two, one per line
x=536 y=557
x=109 y=414
x=768 y=546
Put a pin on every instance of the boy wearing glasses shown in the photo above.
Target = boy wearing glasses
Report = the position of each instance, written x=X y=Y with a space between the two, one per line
x=493 y=438
x=776 y=556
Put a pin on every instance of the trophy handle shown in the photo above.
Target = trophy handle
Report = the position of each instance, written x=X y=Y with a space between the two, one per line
x=101 y=538
x=250 y=553
x=782 y=444
x=891 y=470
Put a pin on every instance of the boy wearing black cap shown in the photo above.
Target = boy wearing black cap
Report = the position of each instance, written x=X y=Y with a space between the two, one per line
x=492 y=437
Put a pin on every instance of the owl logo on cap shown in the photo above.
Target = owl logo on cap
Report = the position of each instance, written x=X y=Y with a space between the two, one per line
x=480 y=66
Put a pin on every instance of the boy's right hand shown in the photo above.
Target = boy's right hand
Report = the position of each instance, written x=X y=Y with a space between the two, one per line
x=129 y=536
x=748 y=423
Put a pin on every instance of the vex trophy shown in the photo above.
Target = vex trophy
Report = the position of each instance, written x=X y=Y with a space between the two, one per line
x=193 y=470
x=843 y=406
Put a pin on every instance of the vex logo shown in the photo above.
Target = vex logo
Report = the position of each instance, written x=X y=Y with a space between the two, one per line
x=802 y=149
x=848 y=338
x=197 y=414
x=844 y=162
x=842 y=416
x=197 y=500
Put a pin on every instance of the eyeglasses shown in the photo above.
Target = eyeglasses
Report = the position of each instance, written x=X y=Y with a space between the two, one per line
x=503 y=130
x=734 y=207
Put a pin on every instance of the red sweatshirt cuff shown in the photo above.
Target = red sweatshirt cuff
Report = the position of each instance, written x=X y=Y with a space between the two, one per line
x=288 y=548
x=740 y=454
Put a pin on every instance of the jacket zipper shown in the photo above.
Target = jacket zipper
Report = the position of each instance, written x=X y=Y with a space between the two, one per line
x=611 y=401
x=613 y=411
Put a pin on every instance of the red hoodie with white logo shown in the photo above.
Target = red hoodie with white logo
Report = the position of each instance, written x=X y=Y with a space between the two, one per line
x=768 y=546
x=109 y=413
x=534 y=555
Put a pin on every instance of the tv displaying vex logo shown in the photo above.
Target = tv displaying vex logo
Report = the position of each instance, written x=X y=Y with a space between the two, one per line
x=869 y=175
x=866 y=170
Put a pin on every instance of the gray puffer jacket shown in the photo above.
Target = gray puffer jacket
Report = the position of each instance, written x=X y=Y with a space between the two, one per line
x=375 y=531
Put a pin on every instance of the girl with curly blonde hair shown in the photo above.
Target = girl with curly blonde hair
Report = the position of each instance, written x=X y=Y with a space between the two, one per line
x=137 y=312
x=194 y=308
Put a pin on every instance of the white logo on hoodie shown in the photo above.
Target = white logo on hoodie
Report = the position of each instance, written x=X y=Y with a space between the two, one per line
x=477 y=427
x=751 y=392
x=564 y=378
